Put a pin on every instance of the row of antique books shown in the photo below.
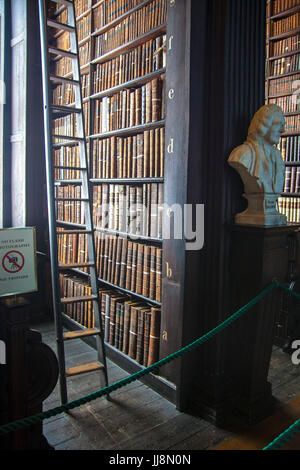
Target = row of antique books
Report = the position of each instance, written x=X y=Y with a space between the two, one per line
x=290 y=206
x=144 y=59
x=289 y=148
x=85 y=53
x=286 y=45
x=74 y=286
x=292 y=179
x=67 y=210
x=63 y=66
x=80 y=6
x=132 y=327
x=109 y=10
x=62 y=41
x=136 y=24
x=131 y=265
x=281 y=5
x=283 y=85
x=72 y=248
x=285 y=24
x=292 y=124
x=285 y=65
x=67 y=156
x=83 y=26
x=129 y=108
x=129 y=325
x=67 y=125
x=64 y=94
x=289 y=104
x=136 y=210
x=137 y=156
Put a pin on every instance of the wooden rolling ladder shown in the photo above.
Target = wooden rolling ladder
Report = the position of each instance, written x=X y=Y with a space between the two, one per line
x=54 y=140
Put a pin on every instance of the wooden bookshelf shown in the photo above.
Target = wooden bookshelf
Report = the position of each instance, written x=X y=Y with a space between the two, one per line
x=202 y=122
x=283 y=46
x=282 y=88
x=136 y=139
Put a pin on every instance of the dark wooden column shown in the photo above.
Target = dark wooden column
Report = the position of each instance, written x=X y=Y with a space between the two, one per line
x=227 y=63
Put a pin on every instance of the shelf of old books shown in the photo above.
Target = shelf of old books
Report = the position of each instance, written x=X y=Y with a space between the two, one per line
x=283 y=89
x=123 y=65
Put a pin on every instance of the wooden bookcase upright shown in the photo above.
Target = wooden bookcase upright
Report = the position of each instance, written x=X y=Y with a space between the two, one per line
x=126 y=158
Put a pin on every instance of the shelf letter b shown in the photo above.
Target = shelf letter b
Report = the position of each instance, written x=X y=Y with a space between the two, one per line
x=168 y=271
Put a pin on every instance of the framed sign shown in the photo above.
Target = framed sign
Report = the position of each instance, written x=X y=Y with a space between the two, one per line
x=18 y=273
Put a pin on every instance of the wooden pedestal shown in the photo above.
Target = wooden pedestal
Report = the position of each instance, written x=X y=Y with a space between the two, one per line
x=27 y=378
x=258 y=256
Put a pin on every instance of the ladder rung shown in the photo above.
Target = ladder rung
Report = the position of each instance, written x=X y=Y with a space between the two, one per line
x=65 y=109
x=57 y=79
x=73 y=300
x=67 y=137
x=64 y=53
x=58 y=25
x=66 y=181
x=76 y=265
x=57 y=145
x=82 y=369
x=81 y=333
x=77 y=168
x=75 y=199
x=73 y=232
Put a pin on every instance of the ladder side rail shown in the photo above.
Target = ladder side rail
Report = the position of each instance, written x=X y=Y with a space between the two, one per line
x=51 y=202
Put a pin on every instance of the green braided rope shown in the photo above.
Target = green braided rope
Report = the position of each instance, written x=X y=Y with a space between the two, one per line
x=294 y=429
x=106 y=390
x=284 y=437
x=284 y=287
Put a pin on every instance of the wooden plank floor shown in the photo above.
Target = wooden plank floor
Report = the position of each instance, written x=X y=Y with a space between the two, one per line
x=136 y=417
x=259 y=436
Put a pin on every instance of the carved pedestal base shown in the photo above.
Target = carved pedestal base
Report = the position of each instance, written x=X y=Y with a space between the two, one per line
x=262 y=211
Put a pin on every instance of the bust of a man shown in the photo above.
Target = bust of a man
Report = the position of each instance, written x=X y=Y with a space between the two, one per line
x=261 y=168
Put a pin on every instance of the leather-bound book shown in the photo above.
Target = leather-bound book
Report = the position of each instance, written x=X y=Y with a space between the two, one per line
x=154 y=337
x=139 y=268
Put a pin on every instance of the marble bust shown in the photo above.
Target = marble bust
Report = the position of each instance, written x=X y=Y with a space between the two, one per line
x=261 y=168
